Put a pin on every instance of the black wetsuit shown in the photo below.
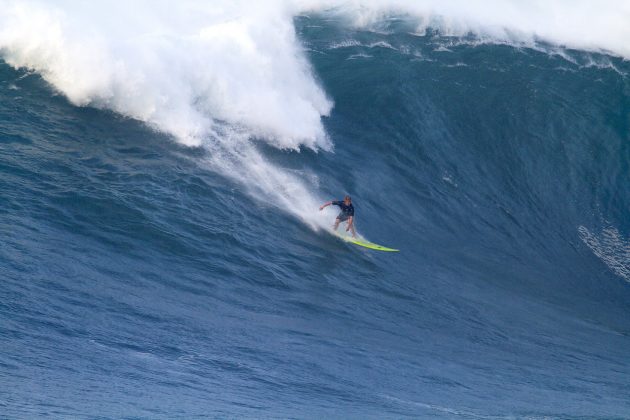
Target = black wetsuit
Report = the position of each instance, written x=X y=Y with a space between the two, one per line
x=346 y=211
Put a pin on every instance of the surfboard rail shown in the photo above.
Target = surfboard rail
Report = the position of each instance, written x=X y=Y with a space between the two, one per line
x=364 y=243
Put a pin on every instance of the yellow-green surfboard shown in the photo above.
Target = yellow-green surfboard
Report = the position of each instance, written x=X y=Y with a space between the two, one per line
x=364 y=243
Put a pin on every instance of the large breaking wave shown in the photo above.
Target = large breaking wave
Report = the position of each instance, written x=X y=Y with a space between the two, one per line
x=220 y=74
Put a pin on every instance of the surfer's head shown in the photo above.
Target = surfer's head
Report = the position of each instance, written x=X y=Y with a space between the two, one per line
x=347 y=200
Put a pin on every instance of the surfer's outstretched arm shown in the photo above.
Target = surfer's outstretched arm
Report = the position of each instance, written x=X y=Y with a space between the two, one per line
x=325 y=205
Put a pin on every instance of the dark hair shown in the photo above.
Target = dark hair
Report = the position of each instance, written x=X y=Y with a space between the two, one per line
x=348 y=197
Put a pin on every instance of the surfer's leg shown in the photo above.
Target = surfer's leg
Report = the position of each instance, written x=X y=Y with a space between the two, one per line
x=336 y=223
x=354 y=232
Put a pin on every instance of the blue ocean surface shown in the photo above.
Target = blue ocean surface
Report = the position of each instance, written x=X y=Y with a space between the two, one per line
x=141 y=277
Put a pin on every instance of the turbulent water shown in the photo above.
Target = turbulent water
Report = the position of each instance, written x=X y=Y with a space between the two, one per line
x=162 y=254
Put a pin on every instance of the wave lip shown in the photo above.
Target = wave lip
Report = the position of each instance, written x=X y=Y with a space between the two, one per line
x=180 y=69
x=593 y=26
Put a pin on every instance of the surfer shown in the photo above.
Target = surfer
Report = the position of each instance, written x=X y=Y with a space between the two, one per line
x=346 y=214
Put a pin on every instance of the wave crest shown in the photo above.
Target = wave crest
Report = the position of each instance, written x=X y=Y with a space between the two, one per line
x=178 y=69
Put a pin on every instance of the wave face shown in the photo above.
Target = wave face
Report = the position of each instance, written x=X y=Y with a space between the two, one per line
x=162 y=253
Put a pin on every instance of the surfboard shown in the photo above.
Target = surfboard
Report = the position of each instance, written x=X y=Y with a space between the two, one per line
x=364 y=243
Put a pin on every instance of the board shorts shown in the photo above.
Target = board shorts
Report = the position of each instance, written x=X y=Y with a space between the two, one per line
x=343 y=217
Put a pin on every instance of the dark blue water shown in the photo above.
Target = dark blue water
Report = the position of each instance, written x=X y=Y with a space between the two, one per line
x=138 y=282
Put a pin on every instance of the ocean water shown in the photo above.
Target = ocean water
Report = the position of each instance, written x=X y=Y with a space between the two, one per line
x=162 y=254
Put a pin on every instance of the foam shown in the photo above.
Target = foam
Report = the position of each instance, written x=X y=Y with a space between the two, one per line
x=611 y=247
x=192 y=70
x=177 y=68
